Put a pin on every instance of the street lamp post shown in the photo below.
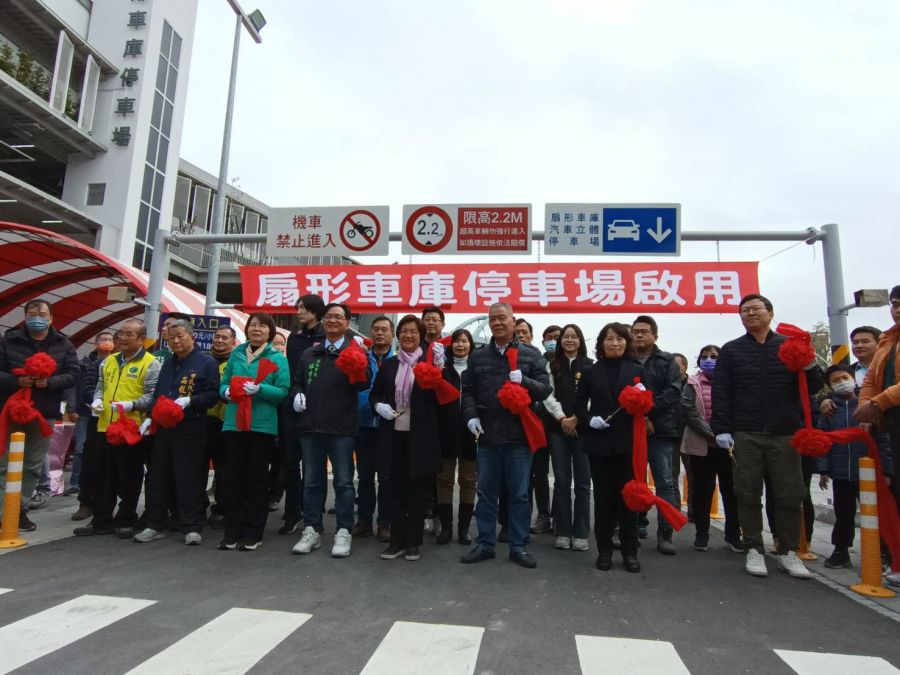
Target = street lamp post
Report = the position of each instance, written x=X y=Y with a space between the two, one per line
x=253 y=23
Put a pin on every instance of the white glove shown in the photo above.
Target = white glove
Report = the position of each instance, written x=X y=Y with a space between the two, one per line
x=251 y=388
x=474 y=425
x=145 y=426
x=97 y=405
x=227 y=393
x=299 y=403
x=183 y=401
x=127 y=406
x=640 y=386
x=358 y=340
x=515 y=376
x=724 y=441
x=386 y=411
x=598 y=423
x=438 y=355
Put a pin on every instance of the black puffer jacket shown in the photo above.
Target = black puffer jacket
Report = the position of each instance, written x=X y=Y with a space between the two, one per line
x=456 y=441
x=298 y=342
x=87 y=384
x=18 y=346
x=663 y=377
x=486 y=372
x=754 y=391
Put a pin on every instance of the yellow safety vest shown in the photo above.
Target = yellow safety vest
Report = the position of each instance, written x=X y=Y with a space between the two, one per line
x=122 y=384
x=218 y=410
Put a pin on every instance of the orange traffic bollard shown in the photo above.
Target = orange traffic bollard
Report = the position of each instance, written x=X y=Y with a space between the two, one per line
x=870 y=582
x=684 y=489
x=714 y=506
x=12 y=499
x=804 y=553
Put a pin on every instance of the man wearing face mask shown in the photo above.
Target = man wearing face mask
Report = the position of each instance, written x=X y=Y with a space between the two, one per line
x=550 y=340
x=37 y=335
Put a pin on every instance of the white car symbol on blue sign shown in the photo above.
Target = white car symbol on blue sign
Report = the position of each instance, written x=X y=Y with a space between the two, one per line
x=651 y=229
x=624 y=229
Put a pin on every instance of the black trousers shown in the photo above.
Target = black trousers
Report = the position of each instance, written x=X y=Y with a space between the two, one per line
x=609 y=475
x=846 y=494
x=540 y=481
x=246 y=498
x=291 y=475
x=90 y=471
x=120 y=475
x=705 y=470
x=179 y=473
x=407 y=496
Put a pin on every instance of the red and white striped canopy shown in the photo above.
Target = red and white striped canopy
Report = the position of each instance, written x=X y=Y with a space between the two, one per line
x=37 y=263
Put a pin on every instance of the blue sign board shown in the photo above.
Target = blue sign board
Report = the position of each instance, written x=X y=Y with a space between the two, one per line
x=205 y=326
x=612 y=229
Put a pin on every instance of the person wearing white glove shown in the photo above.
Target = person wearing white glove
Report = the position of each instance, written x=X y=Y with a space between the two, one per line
x=251 y=388
x=725 y=441
x=97 y=405
x=439 y=354
x=299 y=403
x=598 y=423
x=515 y=376
x=386 y=411
x=127 y=406
x=475 y=427
x=145 y=426
x=183 y=401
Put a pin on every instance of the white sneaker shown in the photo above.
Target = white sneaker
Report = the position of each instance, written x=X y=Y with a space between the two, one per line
x=310 y=541
x=892 y=578
x=428 y=526
x=341 y=548
x=756 y=563
x=580 y=544
x=791 y=564
x=562 y=543
x=193 y=539
x=148 y=534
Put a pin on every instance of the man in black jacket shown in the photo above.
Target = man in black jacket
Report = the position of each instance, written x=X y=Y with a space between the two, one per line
x=503 y=454
x=755 y=410
x=662 y=376
x=310 y=309
x=37 y=335
x=328 y=408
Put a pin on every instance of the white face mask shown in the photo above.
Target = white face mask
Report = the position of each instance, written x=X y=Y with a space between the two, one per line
x=844 y=387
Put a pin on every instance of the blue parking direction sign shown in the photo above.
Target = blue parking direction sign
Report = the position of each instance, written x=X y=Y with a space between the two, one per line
x=612 y=229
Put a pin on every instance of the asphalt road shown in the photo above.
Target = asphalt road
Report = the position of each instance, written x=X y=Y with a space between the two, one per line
x=716 y=618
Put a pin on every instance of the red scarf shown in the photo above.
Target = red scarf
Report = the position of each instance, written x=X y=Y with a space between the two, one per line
x=515 y=398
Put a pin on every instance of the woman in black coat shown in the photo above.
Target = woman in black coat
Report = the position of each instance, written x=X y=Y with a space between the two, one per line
x=407 y=435
x=457 y=446
x=608 y=442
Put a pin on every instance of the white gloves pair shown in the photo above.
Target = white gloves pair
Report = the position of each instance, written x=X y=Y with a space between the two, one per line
x=386 y=411
x=598 y=423
x=145 y=426
x=439 y=354
x=299 y=403
x=725 y=441
x=251 y=388
x=475 y=427
x=515 y=376
x=97 y=406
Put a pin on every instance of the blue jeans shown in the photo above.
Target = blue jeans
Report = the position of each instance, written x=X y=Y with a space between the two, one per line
x=570 y=461
x=316 y=447
x=499 y=463
x=81 y=427
x=659 y=455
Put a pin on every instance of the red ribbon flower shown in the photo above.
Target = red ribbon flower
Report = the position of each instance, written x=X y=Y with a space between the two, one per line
x=124 y=431
x=429 y=376
x=353 y=362
x=637 y=401
x=244 y=417
x=516 y=399
x=40 y=366
x=19 y=408
x=811 y=442
x=166 y=414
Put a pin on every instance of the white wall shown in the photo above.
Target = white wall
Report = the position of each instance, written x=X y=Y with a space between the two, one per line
x=72 y=12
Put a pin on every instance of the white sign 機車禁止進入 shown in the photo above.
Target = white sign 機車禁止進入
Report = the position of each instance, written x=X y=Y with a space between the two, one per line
x=328 y=230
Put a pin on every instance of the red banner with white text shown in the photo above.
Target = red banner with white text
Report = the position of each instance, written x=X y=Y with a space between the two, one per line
x=683 y=287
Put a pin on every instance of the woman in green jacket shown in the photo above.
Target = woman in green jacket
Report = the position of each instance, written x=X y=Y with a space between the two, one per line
x=248 y=447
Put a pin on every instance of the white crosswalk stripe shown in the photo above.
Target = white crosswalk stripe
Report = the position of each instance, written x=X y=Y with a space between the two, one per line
x=232 y=643
x=5 y=590
x=39 y=634
x=412 y=648
x=817 y=663
x=630 y=657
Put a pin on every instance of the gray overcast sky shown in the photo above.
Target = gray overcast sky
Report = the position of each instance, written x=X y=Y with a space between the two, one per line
x=765 y=115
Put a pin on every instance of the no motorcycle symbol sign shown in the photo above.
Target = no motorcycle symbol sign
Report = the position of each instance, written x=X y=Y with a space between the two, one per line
x=328 y=230
x=360 y=230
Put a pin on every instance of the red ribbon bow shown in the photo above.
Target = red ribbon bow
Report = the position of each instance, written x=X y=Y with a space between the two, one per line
x=124 y=431
x=166 y=414
x=19 y=408
x=515 y=398
x=429 y=376
x=353 y=362
x=637 y=401
x=40 y=366
x=243 y=419
x=796 y=353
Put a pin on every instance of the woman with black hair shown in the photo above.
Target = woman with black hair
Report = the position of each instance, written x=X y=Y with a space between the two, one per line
x=608 y=442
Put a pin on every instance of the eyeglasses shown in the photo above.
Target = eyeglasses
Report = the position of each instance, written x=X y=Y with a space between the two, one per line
x=754 y=309
x=335 y=317
x=641 y=332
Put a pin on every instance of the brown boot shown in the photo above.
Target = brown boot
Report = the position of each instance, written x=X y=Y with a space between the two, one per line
x=83 y=513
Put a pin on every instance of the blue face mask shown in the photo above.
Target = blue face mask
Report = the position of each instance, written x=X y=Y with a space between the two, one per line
x=550 y=345
x=37 y=324
x=707 y=365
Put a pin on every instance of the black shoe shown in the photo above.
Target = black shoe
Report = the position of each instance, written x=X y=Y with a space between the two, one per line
x=289 y=527
x=701 y=542
x=503 y=536
x=25 y=524
x=249 y=545
x=412 y=553
x=445 y=514
x=216 y=521
x=523 y=558
x=839 y=559
x=227 y=545
x=664 y=544
x=604 y=561
x=332 y=511
x=89 y=530
x=631 y=564
x=72 y=491
x=477 y=554
x=124 y=532
x=642 y=532
x=392 y=552
x=736 y=545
